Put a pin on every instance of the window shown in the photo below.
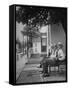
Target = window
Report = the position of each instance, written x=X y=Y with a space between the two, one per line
x=35 y=49
x=44 y=41
x=35 y=44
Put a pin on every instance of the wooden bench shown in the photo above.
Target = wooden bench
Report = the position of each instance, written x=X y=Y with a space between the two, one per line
x=47 y=63
x=57 y=64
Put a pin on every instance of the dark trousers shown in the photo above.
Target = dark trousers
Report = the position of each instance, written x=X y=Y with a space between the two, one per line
x=47 y=63
x=53 y=62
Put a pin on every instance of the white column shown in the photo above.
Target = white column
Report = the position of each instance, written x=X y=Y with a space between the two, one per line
x=47 y=41
x=50 y=35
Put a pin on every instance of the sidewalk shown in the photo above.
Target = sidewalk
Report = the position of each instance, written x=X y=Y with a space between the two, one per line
x=29 y=76
x=31 y=68
x=20 y=65
x=35 y=60
x=31 y=73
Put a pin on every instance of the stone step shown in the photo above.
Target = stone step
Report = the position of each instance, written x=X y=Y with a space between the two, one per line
x=35 y=56
x=34 y=60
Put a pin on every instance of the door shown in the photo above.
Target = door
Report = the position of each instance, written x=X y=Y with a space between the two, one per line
x=44 y=45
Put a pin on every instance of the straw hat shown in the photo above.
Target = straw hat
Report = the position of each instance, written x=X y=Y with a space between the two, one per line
x=52 y=46
x=60 y=44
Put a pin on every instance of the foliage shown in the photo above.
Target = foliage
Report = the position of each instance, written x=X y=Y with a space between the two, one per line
x=37 y=16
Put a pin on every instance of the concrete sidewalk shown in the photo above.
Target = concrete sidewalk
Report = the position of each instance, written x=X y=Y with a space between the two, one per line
x=21 y=64
x=31 y=73
x=35 y=60
x=29 y=76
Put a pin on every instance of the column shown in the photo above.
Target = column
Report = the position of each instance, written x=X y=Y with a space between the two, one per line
x=50 y=35
x=47 y=40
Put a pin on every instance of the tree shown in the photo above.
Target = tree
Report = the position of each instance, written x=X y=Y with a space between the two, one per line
x=37 y=16
x=32 y=15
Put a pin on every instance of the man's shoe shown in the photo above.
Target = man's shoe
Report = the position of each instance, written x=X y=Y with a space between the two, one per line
x=46 y=75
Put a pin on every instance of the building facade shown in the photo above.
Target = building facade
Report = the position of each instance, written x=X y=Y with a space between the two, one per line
x=42 y=43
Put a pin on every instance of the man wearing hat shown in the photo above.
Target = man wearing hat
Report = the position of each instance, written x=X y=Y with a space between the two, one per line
x=47 y=61
x=60 y=53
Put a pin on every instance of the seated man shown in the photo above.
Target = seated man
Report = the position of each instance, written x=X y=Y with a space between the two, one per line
x=60 y=53
x=49 y=61
x=53 y=53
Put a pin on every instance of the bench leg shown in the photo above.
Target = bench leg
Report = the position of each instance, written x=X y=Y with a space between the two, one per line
x=49 y=69
x=58 y=68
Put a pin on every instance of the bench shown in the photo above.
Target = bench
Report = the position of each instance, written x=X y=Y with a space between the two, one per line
x=56 y=63
x=47 y=63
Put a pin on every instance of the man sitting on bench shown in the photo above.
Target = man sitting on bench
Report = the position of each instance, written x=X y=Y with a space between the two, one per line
x=56 y=58
x=60 y=54
x=49 y=61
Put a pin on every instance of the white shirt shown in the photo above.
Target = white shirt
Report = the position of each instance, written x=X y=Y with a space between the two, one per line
x=61 y=55
x=53 y=55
